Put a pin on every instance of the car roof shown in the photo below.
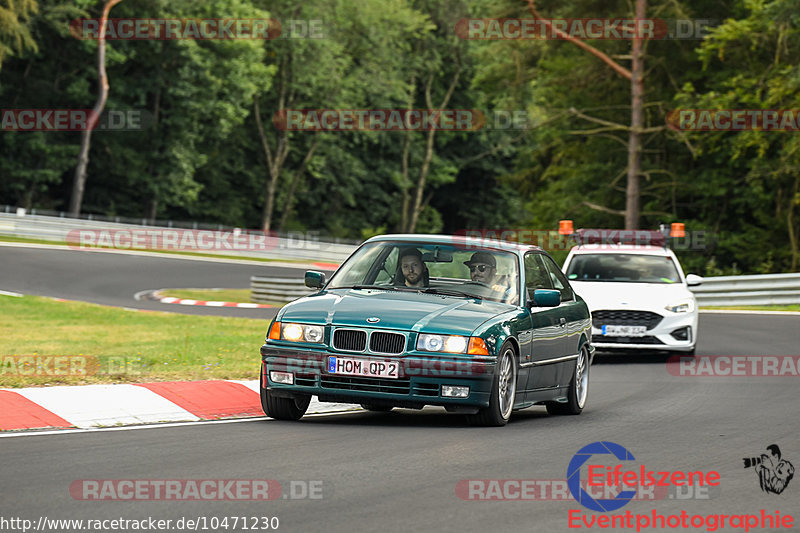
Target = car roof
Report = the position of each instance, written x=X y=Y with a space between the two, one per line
x=457 y=240
x=622 y=249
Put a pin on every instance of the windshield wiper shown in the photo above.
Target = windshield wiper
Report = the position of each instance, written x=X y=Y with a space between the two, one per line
x=381 y=287
x=450 y=292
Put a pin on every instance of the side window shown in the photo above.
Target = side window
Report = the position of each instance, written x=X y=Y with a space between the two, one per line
x=560 y=282
x=536 y=276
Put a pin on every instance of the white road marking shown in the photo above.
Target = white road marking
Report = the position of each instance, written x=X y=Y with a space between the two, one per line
x=164 y=425
x=139 y=295
x=106 y=405
x=315 y=407
x=9 y=293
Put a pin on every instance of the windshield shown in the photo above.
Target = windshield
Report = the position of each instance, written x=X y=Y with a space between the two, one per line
x=623 y=268
x=435 y=268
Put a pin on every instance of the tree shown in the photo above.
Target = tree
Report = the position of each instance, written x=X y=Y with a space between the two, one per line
x=33 y=164
x=197 y=93
x=636 y=77
x=335 y=72
x=750 y=179
x=15 y=34
x=83 y=157
x=434 y=72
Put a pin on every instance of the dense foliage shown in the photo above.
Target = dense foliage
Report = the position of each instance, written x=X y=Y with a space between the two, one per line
x=209 y=149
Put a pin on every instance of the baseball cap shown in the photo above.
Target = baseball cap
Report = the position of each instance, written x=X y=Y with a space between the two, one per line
x=482 y=257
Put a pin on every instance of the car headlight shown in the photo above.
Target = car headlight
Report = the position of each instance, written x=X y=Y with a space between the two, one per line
x=683 y=306
x=301 y=333
x=442 y=343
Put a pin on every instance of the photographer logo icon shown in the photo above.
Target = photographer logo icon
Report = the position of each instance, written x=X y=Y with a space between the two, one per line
x=774 y=473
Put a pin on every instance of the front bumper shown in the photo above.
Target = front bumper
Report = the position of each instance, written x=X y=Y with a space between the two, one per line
x=677 y=332
x=419 y=382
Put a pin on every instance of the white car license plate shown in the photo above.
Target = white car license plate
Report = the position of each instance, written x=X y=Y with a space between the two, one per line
x=363 y=367
x=625 y=331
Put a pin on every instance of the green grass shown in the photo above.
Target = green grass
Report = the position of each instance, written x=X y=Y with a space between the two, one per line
x=787 y=307
x=9 y=238
x=121 y=346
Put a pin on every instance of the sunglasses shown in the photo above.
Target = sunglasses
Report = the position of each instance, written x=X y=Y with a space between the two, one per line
x=479 y=268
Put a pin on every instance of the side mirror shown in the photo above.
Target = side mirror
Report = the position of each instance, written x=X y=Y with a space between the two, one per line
x=545 y=298
x=314 y=279
x=693 y=280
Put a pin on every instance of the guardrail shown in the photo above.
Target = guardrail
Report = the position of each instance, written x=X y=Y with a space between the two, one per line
x=767 y=289
x=764 y=289
x=292 y=246
x=282 y=290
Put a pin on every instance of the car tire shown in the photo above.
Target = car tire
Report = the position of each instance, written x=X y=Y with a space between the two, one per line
x=578 y=388
x=376 y=408
x=504 y=388
x=283 y=408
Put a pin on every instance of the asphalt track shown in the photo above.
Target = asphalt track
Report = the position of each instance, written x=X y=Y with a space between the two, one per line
x=399 y=471
x=110 y=278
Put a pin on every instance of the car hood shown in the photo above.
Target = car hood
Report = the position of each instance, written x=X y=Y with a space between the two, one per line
x=635 y=296
x=395 y=310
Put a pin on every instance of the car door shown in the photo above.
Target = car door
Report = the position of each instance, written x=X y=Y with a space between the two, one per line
x=572 y=319
x=545 y=338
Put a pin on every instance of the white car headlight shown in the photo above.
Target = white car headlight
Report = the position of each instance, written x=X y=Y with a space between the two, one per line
x=442 y=343
x=683 y=306
x=302 y=333
x=313 y=333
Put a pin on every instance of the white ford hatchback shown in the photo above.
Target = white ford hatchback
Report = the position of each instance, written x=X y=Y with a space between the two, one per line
x=638 y=296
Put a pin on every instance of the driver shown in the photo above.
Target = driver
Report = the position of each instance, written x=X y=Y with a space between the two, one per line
x=413 y=271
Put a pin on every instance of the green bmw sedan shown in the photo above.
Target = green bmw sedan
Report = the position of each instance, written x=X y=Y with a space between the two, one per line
x=479 y=327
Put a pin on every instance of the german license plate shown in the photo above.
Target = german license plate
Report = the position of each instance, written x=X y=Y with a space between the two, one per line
x=363 y=367
x=625 y=331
